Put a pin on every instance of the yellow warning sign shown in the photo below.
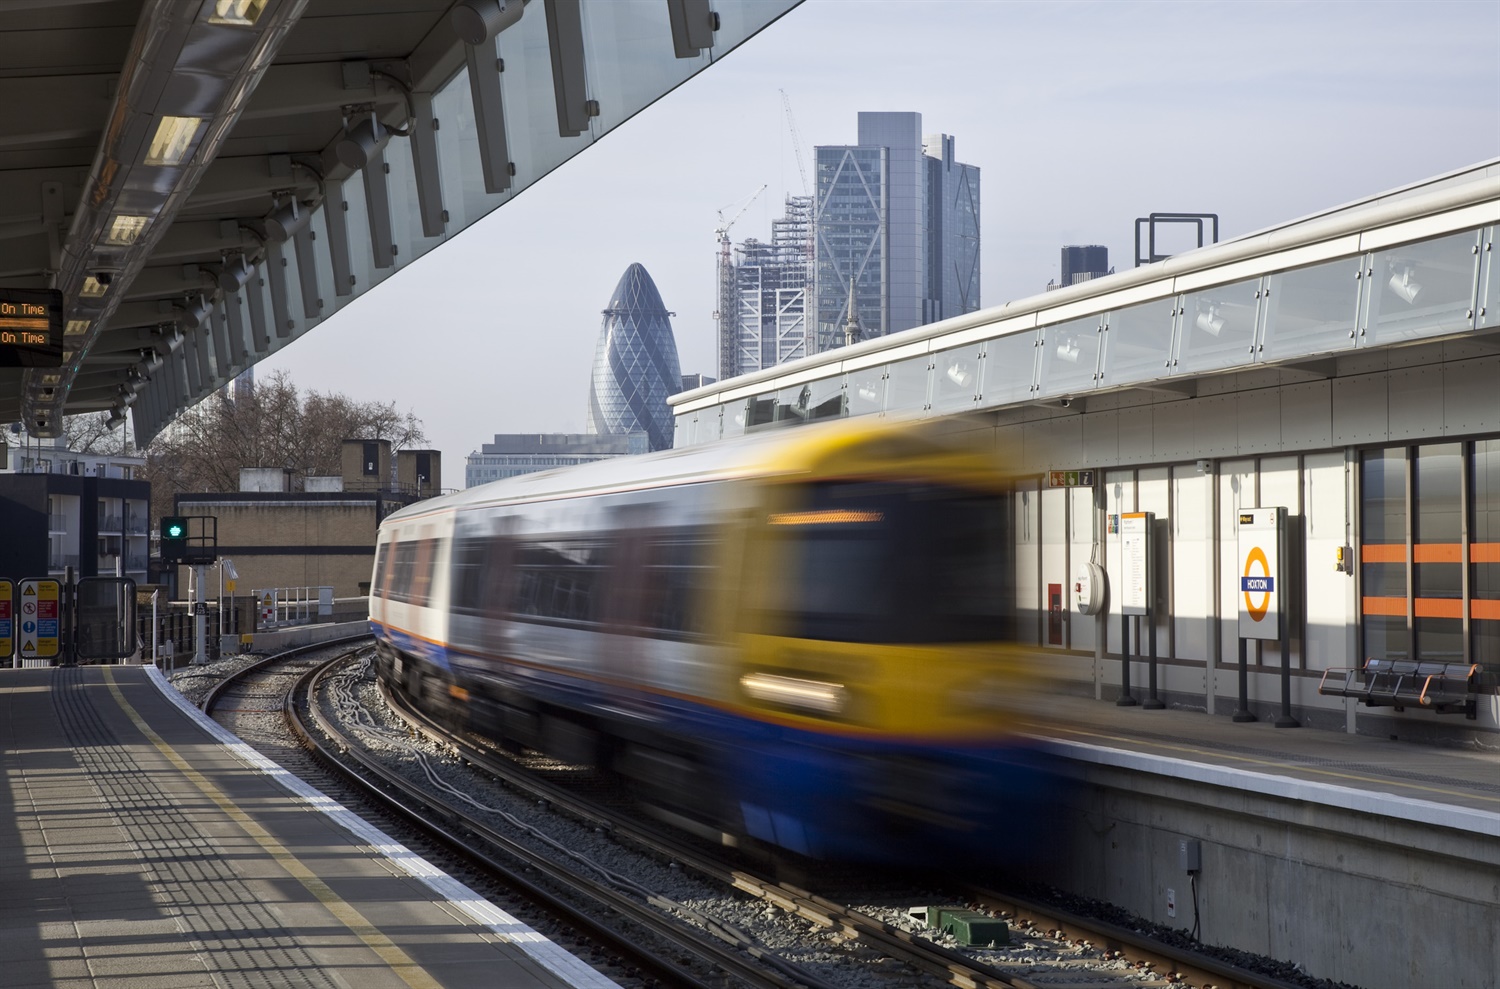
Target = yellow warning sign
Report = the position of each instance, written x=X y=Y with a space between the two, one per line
x=7 y=621
x=40 y=617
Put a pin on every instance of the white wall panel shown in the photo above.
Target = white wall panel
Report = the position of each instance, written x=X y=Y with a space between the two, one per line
x=1084 y=528
x=1192 y=563
x=1101 y=438
x=1119 y=497
x=1306 y=416
x=1281 y=484
x=1359 y=410
x=1135 y=435
x=1175 y=429
x=1054 y=443
x=1028 y=542
x=1236 y=491
x=1331 y=616
x=1055 y=566
x=1214 y=419
x=1471 y=398
x=1153 y=495
x=1258 y=421
x=1416 y=402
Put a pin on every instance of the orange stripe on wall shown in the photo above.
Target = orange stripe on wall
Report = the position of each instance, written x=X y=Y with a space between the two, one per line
x=1439 y=608
x=1480 y=608
x=1383 y=553
x=1484 y=552
x=1384 y=606
x=1437 y=553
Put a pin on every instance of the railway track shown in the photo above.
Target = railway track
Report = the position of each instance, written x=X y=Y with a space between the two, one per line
x=668 y=939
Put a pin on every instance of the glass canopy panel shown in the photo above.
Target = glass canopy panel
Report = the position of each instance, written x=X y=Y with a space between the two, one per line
x=1488 y=313
x=733 y=421
x=1311 y=310
x=956 y=377
x=1217 y=328
x=630 y=58
x=865 y=390
x=1424 y=289
x=825 y=398
x=906 y=385
x=1138 y=342
x=1070 y=357
x=1009 y=368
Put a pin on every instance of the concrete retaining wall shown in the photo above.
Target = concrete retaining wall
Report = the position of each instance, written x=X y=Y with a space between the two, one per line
x=290 y=638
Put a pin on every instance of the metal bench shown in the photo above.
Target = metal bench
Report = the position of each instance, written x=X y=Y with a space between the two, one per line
x=1444 y=688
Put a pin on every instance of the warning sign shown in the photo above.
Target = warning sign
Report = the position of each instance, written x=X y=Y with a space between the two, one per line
x=40 y=616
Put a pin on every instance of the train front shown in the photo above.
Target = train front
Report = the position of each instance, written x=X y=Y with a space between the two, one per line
x=876 y=646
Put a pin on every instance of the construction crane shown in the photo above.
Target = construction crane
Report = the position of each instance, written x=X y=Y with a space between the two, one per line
x=791 y=125
x=724 y=315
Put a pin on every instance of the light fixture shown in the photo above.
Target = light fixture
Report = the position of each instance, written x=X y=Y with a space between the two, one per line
x=124 y=229
x=1209 y=321
x=51 y=379
x=94 y=287
x=76 y=327
x=173 y=140
x=360 y=143
x=198 y=310
x=237 y=271
x=237 y=13
x=150 y=361
x=1404 y=285
x=868 y=393
x=116 y=416
x=174 y=340
x=959 y=375
x=1068 y=351
x=285 y=220
x=815 y=696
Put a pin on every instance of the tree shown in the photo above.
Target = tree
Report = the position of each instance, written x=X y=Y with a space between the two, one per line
x=90 y=433
x=273 y=426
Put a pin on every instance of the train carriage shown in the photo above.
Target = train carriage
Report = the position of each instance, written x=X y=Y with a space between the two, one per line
x=798 y=638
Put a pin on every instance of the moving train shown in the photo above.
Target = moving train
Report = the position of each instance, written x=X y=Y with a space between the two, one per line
x=796 y=640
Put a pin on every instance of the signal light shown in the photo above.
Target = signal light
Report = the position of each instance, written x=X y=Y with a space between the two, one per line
x=174 y=532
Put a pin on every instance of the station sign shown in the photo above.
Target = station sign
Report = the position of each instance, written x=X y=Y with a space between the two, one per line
x=31 y=327
x=1136 y=562
x=7 y=620
x=1261 y=584
x=40 y=619
x=1070 y=479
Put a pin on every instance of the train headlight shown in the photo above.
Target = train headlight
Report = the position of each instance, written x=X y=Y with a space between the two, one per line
x=815 y=696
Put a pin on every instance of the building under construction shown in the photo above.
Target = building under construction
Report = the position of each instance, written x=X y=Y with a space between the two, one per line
x=763 y=289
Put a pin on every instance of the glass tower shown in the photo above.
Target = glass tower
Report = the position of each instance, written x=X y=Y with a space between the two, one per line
x=635 y=363
x=896 y=222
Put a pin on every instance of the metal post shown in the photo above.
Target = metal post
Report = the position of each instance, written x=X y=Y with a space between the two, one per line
x=1152 y=703
x=1242 y=713
x=66 y=626
x=1285 y=719
x=1125 y=699
x=154 y=627
x=200 y=620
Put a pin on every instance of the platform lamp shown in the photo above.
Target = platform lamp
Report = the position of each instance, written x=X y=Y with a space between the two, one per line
x=226 y=568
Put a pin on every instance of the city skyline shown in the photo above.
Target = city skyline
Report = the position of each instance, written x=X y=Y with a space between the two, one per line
x=1275 y=113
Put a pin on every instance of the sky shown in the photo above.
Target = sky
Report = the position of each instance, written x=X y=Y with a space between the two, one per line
x=1081 y=117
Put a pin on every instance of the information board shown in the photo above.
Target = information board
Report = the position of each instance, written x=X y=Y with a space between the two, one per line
x=1261 y=539
x=1136 y=562
x=7 y=620
x=40 y=619
x=31 y=327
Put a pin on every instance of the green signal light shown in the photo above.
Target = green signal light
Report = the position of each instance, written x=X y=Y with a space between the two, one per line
x=175 y=531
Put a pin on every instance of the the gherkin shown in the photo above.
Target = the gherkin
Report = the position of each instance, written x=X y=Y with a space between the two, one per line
x=635 y=364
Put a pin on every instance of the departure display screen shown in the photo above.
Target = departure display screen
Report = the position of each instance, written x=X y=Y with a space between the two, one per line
x=31 y=327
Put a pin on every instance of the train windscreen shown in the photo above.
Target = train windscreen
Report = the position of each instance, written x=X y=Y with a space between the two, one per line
x=887 y=562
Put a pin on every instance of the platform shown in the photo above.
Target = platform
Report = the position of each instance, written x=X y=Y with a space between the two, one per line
x=140 y=850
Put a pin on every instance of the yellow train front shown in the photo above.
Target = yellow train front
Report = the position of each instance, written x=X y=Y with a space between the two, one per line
x=798 y=638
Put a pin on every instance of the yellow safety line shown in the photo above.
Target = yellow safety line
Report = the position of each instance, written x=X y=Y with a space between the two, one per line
x=399 y=961
x=1270 y=763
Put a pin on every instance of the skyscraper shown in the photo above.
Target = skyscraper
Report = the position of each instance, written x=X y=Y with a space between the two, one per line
x=898 y=217
x=635 y=363
x=768 y=300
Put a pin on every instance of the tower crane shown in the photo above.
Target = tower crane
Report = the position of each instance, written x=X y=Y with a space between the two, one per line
x=791 y=125
x=724 y=314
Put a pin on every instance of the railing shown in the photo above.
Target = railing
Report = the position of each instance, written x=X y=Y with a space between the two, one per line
x=135 y=527
x=110 y=523
x=57 y=523
x=62 y=562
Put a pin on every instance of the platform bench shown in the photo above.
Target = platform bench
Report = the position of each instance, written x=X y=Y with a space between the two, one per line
x=1444 y=688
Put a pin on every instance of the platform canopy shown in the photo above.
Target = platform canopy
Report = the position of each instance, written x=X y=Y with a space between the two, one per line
x=203 y=181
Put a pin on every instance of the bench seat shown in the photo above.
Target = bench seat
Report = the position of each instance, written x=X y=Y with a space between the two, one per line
x=1444 y=688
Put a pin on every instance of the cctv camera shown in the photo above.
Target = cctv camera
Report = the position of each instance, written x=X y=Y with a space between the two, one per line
x=1066 y=402
x=103 y=277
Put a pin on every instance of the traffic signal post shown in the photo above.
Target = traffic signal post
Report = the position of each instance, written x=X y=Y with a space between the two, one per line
x=193 y=540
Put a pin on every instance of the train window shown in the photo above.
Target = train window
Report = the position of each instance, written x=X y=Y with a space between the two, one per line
x=421 y=572
x=382 y=557
x=403 y=562
x=677 y=569
x=559 y=580
x=889 y=562
x=468 y=573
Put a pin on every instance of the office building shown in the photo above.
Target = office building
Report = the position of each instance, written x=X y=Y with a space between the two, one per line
x=514 y=454
x=896 y=223
x=1082 y=263
x=635 y=364
x=764 y=309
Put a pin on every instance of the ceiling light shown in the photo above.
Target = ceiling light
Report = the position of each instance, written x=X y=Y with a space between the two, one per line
x=285 y=220
x=76 y=328
x=173 y=140
x=1068 y=351
x=239 y=13
x=93 y=288
x=1405 y=286
x=237 y=272
x=124 y=229
x=1209 y=321
x=116 y=416
x=360 y=143
x=959 y=375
